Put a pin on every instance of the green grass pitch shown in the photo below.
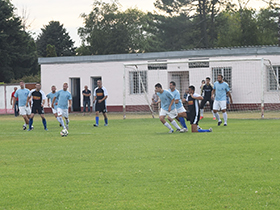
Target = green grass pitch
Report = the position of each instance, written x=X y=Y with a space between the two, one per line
x=136 y=164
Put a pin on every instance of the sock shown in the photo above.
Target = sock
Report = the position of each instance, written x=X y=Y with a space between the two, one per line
x=67 y=121
x=60 y=120
x=201 y=112
x=44 y=123
x=225 y=117
x=175 y=124
x=182 y=121
x=24 y=124
x=97 y=120
x=213 y=113
x=203 y=131
x=106 y=120
x=217 y=116
x=168 y=126
x=30 y=122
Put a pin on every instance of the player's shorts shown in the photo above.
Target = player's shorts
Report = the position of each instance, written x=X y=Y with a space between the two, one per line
x=23 y=110
x=219 y=105
x=100 y=107
x=54 y=111
x=194 y=119
x=204 y=101
x=37 y=109
x=181 y=110
x=172 y=114
x=62 y=112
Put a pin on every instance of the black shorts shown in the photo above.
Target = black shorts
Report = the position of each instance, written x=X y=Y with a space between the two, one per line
x=100 y=107
x=194 y=119
x=204 y=101
x=37 y=109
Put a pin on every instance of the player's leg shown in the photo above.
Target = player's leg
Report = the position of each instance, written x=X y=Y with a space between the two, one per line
x=202 y=104
x=84 y=106
x=59 y=117
x=216 y=107
x=223 y=108
x=65 y=114
x=181 y=118
x=97 y=110
x=171 y=116
x=105 y=118
x=211 y=107
x=30 y=114
x=41 y=113
x=31 y=121
x=162 y=116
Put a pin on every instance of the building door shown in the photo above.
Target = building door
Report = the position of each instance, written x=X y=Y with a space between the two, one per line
x=76 y=94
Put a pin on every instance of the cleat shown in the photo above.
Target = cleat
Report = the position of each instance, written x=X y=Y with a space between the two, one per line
x=198 y=128
x=214 y=118
x=105 y=124
x=95 y=125
x=201 y=117
x=30 y=129
x=210 y=129
x=219 y=123
x=171 y=131
x=225 y=124
x=67 y=127
x=46 y=129
x=24 y=127
x=178 y=130
x=183 y=130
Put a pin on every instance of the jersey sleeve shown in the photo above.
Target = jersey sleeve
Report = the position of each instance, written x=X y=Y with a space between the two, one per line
x=105 y=91
x=214 y=87
x=94 y=92
x=70 y=96
x=30 y=92
x=169 y=95
x=187 y=97
x=16 y=94
x=177 y=96
x=43 y=95
x=227 y=87
x=196 y=95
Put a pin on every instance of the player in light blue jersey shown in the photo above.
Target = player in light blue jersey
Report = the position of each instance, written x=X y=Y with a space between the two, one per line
x=167 y=108
x=179 y=106
x=24 y=110
x=219 y=94
x=63 y=97
x=50 y=97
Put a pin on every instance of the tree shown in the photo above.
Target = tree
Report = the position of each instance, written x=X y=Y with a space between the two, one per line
x=18 y=56
x=51 y=51
x=55 y=34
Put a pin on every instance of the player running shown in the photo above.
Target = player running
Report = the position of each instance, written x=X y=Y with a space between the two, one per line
x=100 y=95
x=50 y=97
x=24 y=110
x=193 y=110
x=63 y=97
x=167 y=108
x=181 y=111
x=206 y=92
x=220 y=91
x=38 y=101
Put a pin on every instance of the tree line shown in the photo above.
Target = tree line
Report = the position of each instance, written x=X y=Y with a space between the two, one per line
x=175 y=25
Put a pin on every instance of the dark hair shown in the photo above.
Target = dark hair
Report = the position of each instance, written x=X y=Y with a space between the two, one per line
x=158 y=85
x=173 y=83
x=221 y=76
x=192 y=87
x=208 y=78
x=203 y=81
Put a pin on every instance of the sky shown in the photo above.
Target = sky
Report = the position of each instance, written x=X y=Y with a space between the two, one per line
x=67 y=12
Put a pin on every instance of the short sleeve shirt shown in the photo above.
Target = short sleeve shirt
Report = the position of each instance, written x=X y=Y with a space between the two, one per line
x=22 y=95
x=87 y=98
x=166 y=97
x=176 y=95
x=63 y=97
x=51 y=95
x=221 y=90
x=37 y=97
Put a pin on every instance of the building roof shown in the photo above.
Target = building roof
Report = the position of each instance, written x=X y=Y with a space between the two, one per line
x=196 y=53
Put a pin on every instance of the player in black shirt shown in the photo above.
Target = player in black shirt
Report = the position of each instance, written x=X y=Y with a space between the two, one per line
x=193 y=112
x=38 y=101
x=206 y=91
x=100 y=95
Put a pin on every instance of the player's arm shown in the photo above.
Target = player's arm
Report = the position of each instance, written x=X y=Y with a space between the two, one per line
x=48 y=102
x=103 y=99
x=14 y=101
x=70 y=103
x=213 y=94
x=94 y=98
x=177 y=101
x=27 y=100
x=43 y=102
x=53 y=102
x=230 y=98
x=197 y=97
x=170 y=105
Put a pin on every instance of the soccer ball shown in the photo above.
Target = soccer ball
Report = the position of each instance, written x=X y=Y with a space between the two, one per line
x=64 y=133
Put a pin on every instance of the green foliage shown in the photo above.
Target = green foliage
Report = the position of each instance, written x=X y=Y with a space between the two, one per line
x=51 y=51
x=136 y=164
x=28 y=79
x=55 y=34
x=18 y=56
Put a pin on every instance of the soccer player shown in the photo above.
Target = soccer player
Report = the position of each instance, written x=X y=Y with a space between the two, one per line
x=50 y=97
x=193 y=110
x=100 y=95
x=206 y=91
x=181 y=111
x=24 y=110
x=63 y=97
x=220 y=91
x=167 y=108
x=38 y=101
x=16 y=104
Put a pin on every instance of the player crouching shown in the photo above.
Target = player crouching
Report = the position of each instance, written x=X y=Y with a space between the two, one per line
x=193 y=113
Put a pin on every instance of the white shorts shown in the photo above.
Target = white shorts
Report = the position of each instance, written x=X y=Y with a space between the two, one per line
x=219 y=105
x=172 y=114
x=54 y=111
x=62 y=112
x=23 y=110
x=181 y=110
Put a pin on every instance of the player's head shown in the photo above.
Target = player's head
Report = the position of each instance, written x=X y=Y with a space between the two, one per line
x=99 y=83
x=15 y=88
x=86 y=87
x=191 y=89
x=53 y=88
x=158 y=87
x=220 y=78
x=172 y=85
x=21 y=84
x=203 y=81
x=208 y=80
x=38 y=86
x=65 y=86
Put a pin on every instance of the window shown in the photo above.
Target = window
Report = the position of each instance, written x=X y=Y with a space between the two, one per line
x=274 y=77
x=225 y=71
x=159 y=66
x=136 y=82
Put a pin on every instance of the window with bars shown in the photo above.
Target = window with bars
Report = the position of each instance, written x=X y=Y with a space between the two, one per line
x=225 y=71
x=135 y=82
x=274 y=77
